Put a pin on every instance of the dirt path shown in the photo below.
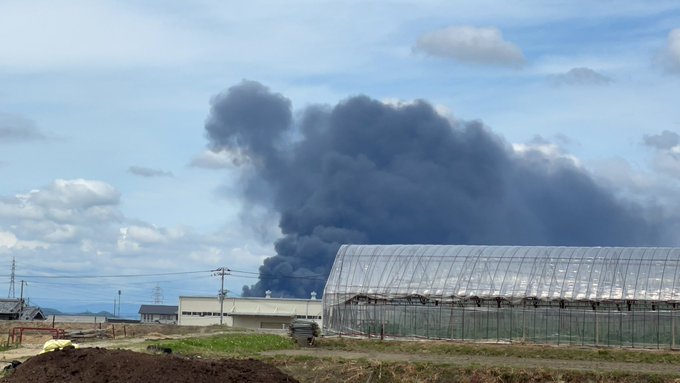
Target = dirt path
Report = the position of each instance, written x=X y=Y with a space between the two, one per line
x=490 y=361
x=26 y=351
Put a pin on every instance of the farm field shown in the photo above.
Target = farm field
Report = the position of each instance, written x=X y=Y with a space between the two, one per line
x=354 y=360
x=360 y=360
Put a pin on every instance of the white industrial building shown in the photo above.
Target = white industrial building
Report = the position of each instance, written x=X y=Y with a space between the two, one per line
x=252 y=313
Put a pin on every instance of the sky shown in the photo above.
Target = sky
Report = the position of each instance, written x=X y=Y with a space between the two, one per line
x=112 y=181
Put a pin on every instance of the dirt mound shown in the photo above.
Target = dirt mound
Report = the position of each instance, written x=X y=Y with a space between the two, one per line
x=102 y=365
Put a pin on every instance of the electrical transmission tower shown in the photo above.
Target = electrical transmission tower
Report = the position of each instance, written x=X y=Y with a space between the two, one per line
x=157 y=295
x=11 y=293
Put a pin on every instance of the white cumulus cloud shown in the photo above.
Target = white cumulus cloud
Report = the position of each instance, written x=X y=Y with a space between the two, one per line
x=666 y=154
x=547 y=150
x=670 y=57
x=10 y=242
x=471 y=45
x=135 y=236
x=62 y=211
x=7 y=239
x=77 y=227
x=581 y=76
x=221 y=159
x=73 y=194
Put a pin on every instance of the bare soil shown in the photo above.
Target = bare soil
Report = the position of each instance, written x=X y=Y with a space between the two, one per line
x=93 y=365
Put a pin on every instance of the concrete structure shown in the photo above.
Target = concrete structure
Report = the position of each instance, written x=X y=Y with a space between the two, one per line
x=158 y=314
x=252 y=313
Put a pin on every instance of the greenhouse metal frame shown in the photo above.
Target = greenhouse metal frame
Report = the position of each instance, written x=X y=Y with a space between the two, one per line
x=586 y=296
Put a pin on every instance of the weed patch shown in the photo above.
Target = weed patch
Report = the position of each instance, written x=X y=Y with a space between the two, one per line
x=331 y=370
x=506 y=350
x=227 y=345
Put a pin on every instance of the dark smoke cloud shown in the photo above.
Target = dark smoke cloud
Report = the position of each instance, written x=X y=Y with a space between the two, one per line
x=366 y=172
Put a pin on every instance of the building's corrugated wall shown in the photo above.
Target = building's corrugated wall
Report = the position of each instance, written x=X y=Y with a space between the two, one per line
x=563 y=295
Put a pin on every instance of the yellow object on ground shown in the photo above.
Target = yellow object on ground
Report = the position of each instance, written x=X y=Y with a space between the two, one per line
x=57 y=344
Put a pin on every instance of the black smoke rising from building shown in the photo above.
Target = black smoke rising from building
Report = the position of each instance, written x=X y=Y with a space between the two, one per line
x=363 y=171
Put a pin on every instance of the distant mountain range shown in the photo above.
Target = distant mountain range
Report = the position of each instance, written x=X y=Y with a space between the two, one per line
x=51 y=311
x=128 y=310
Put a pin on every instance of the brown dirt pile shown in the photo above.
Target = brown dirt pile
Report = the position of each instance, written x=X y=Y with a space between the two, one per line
x=101 y=365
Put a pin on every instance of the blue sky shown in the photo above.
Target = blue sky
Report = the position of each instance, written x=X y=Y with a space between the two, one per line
x=103 y=153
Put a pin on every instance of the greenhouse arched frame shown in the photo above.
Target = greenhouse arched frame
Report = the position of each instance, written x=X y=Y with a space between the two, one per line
x=585 y=296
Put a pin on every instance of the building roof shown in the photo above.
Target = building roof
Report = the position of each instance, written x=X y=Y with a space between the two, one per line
x=248 y=298
x=13 y=306
x=449 y=272
x=158 y=309
x=32 y=313
x=10 y=306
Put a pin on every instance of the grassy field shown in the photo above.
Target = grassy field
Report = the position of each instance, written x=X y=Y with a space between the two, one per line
x=5 y=347
x=361 y=371
x=509 y=350
x=337 y=369
x=232 y=345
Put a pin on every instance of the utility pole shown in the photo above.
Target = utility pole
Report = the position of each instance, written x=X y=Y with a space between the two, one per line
x=119 y=303
x=21 y=298
x=222 y=271
x=11 y=293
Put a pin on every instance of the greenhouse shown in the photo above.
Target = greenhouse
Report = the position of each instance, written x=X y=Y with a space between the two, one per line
x=597 y=296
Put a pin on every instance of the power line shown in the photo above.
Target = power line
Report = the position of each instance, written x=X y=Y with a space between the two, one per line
x=256 y=274
x=92 y=284
x=314 y=277
x=112 y=275
x=76 y=285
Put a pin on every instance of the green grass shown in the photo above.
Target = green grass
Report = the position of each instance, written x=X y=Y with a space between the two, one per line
x=325 y=369
x=228 y=345
x=520 y=351
x=240 y=344
x=5 y=347
x=330 y=370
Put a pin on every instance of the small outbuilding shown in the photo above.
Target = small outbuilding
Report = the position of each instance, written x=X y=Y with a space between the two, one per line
x=163 y=314
x=16 y=309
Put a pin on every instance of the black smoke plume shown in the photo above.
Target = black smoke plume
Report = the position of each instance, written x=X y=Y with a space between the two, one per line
x=363 y=171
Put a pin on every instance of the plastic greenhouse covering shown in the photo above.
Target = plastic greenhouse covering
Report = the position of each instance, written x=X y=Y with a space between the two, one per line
x=603 y=296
